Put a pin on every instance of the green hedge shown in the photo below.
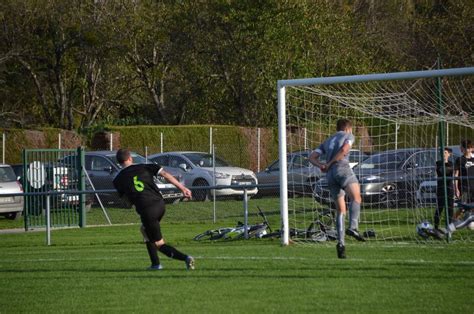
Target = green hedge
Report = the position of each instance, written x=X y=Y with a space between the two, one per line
x=15 y=141
x=237 y=145
x=19 y=139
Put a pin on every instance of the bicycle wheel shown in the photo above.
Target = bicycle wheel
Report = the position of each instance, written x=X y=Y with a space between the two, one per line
x=206 y=235
x=213 y=234
x=221 y=234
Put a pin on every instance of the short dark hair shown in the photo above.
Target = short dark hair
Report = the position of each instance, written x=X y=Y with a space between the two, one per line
x=343 y=124
x=122 y=155
x=449 y=150
x=466 y=144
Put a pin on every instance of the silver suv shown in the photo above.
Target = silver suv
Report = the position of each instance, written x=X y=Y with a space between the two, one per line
x=198 y=170
x=10 y=206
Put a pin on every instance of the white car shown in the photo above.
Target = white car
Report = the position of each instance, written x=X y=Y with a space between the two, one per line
x=10 y=206
x=198 y=170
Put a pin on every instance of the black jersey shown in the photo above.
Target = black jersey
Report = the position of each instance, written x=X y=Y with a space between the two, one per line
x=465 y=166
x=449 y=174
x=137 y=183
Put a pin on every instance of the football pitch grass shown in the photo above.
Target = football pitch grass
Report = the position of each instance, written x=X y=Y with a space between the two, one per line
x=102 y=269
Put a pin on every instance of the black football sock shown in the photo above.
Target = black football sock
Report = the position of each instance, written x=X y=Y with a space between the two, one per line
x=172 y=252
x=153 y=253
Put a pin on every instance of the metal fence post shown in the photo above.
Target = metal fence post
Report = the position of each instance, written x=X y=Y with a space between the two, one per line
x=26 y=199
x=111 y=137
x=258 y=150
x=214 y=182
x=161 y=142
x=246 y=215
x=59 y=140
x=48 y=219
x=210 y=140
x=81 y=186
x=4 y=138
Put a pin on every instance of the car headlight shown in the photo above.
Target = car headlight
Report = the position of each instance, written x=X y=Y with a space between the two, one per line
x=220 y=175
x=371 y=178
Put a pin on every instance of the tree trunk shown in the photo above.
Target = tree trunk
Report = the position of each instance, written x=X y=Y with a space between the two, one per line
x=39 y=89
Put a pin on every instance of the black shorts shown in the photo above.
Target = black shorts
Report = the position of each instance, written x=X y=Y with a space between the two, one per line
x=151 y=217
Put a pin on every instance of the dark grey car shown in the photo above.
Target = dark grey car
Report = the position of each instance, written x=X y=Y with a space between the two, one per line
x=390 y=178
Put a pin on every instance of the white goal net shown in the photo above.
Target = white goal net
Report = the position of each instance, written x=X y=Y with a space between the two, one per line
x=401 y=123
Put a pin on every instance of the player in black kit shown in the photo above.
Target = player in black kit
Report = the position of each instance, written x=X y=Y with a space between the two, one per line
x=136 y=183
x=464 y=171
x=445 y=195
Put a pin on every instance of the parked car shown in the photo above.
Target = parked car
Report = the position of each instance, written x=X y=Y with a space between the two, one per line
x=389 y=178
x=10 y=206
x=198 y=170
x=49 y=177
x=356 y=157
x=102 y=167
x=301 y=175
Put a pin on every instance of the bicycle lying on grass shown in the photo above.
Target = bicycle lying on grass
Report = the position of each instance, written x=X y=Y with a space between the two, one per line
x=238 y=232
x=320 y=230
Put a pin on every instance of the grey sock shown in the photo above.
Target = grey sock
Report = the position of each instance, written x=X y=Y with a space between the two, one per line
x=354 y=213
x=340 y=228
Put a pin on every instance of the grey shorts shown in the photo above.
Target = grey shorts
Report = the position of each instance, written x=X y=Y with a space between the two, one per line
x=338 y=179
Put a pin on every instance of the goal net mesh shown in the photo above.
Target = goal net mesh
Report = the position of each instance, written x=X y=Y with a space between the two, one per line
x=398 y=127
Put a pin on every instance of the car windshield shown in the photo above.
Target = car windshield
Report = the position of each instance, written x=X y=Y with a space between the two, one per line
x=205 y=160
x=137 y=159
x=356 y=156
x=7 y=174
x=383 y=161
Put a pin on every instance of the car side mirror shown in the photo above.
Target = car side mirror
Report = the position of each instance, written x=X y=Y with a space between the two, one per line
x=109 y=169
x=18 y=178
x=267 y=169
x=183 y=167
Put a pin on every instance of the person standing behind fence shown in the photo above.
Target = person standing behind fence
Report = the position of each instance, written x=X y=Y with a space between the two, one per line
x=136 y=183
x=341 y=180
x=445 y=195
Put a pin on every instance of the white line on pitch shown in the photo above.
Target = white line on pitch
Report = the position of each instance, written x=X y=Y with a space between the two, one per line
x=250 y=258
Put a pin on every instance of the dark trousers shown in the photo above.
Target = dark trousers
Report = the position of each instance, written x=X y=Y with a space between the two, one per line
x=439 y=210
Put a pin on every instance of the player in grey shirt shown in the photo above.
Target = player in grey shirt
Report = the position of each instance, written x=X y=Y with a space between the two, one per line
x=341 y=180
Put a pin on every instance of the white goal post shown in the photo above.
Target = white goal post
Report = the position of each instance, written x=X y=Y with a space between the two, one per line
x=282 y=116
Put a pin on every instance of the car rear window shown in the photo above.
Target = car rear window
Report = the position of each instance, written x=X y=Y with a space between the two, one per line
x=205 y=160
x=383 y=161
x=7 y=174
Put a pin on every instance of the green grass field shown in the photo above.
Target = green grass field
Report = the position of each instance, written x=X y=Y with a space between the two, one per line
x=102 y=269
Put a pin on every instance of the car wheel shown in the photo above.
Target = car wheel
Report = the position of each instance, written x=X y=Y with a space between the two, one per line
x=201 y=195
x=13 y=216
x=389 y=197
